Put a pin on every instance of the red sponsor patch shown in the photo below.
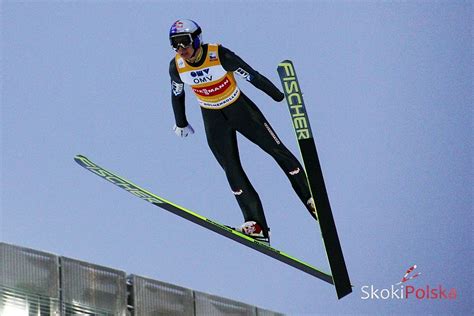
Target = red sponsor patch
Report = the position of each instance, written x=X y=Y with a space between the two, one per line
x=214 y=89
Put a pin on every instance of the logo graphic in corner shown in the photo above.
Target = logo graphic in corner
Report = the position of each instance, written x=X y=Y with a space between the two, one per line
x=401 y=291
x=407 y=275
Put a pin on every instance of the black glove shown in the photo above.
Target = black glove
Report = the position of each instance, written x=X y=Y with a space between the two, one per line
x=278 y=97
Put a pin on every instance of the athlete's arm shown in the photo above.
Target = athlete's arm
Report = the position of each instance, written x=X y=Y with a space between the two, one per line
x=231 y=62
x=177 y=96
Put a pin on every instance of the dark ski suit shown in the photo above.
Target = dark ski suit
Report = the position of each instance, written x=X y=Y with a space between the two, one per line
x=243 y=116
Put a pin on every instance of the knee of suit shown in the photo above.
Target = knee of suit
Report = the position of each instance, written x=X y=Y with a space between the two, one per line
x=237 y=192
x=294 y=171
x=247 y=192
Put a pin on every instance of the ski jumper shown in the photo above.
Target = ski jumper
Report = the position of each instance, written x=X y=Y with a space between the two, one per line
x=227 y=110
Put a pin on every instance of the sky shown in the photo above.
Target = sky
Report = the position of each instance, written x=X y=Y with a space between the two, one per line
x=388 y=90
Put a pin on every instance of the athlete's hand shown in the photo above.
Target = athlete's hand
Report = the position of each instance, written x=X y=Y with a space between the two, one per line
x=183 y=131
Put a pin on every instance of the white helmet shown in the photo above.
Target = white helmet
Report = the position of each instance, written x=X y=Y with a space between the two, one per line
x=184 y=33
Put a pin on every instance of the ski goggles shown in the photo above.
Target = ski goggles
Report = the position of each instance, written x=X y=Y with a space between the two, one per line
x=181 y=40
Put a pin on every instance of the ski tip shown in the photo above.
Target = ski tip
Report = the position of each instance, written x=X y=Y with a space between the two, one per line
x=286 y=61
x=81 y=159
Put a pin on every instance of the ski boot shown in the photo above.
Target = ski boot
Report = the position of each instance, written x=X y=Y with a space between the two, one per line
x=254 y=230
x=311 y=206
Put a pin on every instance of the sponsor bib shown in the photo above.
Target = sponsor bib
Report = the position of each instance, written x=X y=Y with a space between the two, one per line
x=214 y=87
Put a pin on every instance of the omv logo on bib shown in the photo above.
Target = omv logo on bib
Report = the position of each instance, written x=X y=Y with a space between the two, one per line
x=201 y=76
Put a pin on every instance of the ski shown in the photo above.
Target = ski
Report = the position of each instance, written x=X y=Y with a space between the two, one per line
x=304 y=135
x=201 y=220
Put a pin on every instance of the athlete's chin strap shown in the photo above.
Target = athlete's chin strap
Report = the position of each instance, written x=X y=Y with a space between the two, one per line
x=194 y=54
x=195 y=51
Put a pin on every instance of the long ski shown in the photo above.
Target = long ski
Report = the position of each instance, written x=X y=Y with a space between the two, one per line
x=201 y=220
x=304 y=135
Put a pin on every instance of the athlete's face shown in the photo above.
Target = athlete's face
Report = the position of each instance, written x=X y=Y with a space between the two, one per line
x=186 y=52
